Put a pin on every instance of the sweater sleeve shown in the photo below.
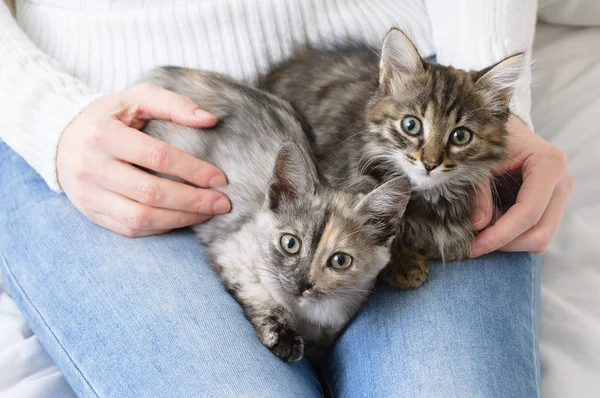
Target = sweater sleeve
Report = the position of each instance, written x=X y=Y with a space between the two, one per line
x=38 y=100
x=473 y=34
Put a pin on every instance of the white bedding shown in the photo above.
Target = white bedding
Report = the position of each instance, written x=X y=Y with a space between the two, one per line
x=26 y=370
x=566 y=98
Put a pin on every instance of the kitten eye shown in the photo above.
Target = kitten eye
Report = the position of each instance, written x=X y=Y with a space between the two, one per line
x=460 y=136
x=411 y=125
x=290 y=244
x=340 y=261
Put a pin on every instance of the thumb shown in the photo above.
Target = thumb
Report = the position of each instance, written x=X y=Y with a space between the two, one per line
x=483 y=206
x=154 y=102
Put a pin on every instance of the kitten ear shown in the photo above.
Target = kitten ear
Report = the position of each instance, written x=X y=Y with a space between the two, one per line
x=385 y=206
x=293 y=176
x=398 y=56
x=501 y=78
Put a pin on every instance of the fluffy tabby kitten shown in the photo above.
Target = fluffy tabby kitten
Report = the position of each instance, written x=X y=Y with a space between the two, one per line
x=380 y=113
x=299 y=257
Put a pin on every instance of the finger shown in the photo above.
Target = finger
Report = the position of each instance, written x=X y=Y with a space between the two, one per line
x=138 y=148
x=483 y=206
x=139 y=217
x=498 y=213
x=539 y=179
x=154 y=191
x=112 y=225
x=154 y=102
x=521 y=144
x=538 y=238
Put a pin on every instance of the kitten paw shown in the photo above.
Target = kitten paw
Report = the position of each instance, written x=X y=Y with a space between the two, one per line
x=407 y=277
x=285 y=343
x=289 y=346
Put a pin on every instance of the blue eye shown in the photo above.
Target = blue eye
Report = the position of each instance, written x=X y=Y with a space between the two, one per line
x=340 y=261
x=290 y=244
x=411 y=125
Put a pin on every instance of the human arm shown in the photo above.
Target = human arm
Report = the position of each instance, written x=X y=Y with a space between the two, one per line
x=38 y=100
x=85 y=142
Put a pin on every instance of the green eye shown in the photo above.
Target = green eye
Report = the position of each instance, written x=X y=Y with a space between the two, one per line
x=340 y=261
x=460 y=137
x=290 y=244
x=411 y=125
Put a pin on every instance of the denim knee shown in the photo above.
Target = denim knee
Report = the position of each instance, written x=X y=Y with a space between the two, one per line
x=471 y=330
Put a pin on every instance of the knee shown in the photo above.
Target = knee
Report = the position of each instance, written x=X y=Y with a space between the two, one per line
x=470 y=331
x=433 y=369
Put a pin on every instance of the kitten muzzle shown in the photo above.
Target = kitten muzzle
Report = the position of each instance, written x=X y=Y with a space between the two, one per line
x=429 y=165
x=305 y=287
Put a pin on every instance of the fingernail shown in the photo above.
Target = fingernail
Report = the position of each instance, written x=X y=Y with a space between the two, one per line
x=221 y=206
x=217 y=181
x=204 y=115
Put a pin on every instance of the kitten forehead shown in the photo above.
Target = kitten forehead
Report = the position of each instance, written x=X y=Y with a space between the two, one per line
x=329 y=221
x=445 y=98
x=336 y=234
x=426 y=122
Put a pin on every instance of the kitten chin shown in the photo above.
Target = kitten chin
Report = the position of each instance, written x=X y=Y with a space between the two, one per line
x=334 y=308
x=451 y=184
x=419 y=178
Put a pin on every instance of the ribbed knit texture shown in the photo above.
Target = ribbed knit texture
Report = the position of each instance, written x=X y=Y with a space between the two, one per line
x=62 y=54
x=485 y=32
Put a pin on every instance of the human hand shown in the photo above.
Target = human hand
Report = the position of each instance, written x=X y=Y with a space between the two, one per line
x=532 y=222
x=97 y=151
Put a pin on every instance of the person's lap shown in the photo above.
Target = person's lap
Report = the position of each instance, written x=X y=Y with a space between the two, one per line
x=469 y=331
x=128 y=317
x=148 y=317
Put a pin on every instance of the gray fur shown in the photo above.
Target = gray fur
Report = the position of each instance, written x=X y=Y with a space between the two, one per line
x=355 y=99
x=261 y=145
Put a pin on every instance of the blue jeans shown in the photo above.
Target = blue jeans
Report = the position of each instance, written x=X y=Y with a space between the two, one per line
x=149 y=318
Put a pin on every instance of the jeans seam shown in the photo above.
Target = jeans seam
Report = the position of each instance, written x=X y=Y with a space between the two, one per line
x=26 y=297
x=323 y=378
x=536 y=374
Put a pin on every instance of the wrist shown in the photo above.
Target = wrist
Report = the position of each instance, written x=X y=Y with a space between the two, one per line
x=60 y=114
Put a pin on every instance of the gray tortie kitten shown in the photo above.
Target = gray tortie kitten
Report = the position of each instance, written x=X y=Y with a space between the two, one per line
x=378 y=113
x=299 y=257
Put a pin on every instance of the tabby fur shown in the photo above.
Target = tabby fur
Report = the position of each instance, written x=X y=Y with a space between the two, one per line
x=355 y=98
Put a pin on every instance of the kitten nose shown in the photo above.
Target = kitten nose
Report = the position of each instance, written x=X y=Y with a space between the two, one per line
x=429 y=165
x=305 y=286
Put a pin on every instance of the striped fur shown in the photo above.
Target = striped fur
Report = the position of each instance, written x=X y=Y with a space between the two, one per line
x=355 y=99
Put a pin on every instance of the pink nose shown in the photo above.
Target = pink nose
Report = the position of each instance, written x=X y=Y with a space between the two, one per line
x=429 y=165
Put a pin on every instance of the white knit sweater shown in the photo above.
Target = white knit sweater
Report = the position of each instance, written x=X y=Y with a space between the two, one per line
x=57 y=56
